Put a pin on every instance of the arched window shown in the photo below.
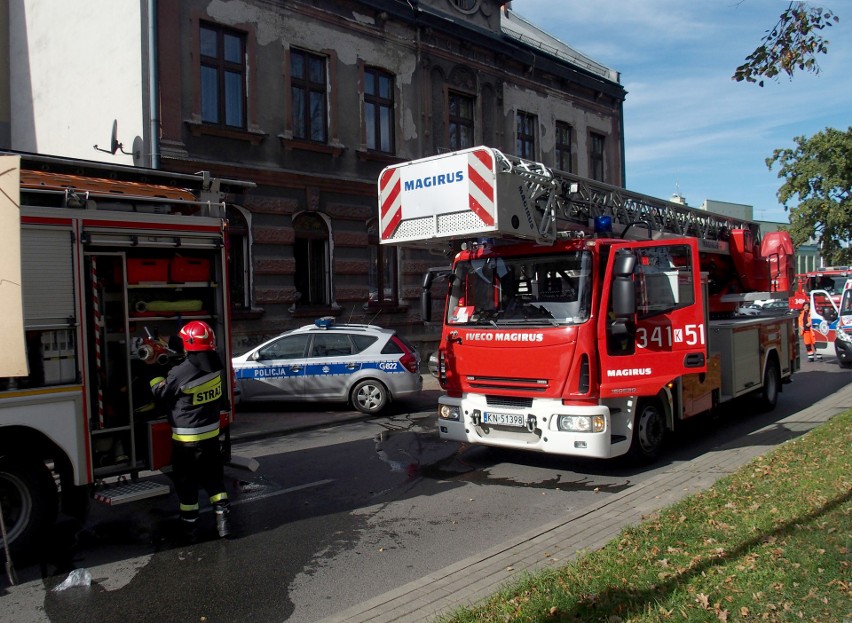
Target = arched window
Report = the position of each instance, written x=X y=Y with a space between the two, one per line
x=311 y=252
x=238 y=259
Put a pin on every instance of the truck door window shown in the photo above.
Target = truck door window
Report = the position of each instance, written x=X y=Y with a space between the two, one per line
x=663 y=279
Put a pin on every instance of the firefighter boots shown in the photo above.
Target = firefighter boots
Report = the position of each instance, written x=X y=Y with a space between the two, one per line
x=223 y=521
x=188 y=532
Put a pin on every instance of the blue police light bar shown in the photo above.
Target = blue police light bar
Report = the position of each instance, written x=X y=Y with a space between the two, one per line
x=325 y=322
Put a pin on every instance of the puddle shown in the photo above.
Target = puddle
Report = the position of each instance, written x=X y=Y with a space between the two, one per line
x=410 y=452
x=424 y=454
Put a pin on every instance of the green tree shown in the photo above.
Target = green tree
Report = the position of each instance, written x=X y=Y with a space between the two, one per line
x=791 y=45
x=817 y=176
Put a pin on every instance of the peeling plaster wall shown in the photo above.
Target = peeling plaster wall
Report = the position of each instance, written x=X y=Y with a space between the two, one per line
x=283 y=28
x=549 y=109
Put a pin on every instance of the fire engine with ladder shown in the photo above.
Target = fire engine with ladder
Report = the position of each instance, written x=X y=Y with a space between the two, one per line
x=580 y=318
x=102 y=265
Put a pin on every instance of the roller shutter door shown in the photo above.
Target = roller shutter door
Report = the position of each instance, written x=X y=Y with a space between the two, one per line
x=48 y=277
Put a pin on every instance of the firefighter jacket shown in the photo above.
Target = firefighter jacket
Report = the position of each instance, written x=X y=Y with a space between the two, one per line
x=192 y=395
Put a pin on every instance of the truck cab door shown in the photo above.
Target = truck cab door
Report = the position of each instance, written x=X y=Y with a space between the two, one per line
x=653 y=321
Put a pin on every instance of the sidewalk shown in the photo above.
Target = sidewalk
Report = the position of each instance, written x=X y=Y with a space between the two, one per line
x=478 y=577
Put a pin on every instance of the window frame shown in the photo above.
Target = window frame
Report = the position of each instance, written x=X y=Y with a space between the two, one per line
x=313 y=271
x=562 y=149
x=304 y=131
x=525 y=135
x=223 y=67
x=466 y=6
x=597 y=156
x=375 y=101
x=239 y=258
x=460 y=121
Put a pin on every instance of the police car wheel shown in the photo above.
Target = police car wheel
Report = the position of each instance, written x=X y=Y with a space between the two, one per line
x=369 y=396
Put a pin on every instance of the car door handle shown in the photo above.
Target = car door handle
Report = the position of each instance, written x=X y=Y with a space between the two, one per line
x=295 y=368
x=351 y=366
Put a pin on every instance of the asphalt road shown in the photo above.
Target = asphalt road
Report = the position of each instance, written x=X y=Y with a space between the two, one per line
x=337 y=515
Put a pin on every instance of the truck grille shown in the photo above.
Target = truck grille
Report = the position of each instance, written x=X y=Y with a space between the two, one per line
x=511 y=402
x=507 y=383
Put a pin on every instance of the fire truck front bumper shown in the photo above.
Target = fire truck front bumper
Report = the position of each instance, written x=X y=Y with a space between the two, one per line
x=547 y=426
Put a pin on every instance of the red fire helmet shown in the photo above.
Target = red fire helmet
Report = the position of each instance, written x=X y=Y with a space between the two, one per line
x=197 y=335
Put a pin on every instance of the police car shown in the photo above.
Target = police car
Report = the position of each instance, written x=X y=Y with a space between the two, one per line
x=365 y=365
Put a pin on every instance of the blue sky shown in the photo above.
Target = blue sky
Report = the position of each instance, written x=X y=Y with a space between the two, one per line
x=688 y=126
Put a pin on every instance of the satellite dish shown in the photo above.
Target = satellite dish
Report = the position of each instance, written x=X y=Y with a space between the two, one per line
x=113 y=143
x=138 y=145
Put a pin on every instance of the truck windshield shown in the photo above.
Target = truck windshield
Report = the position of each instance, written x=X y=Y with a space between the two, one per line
x=530 y=290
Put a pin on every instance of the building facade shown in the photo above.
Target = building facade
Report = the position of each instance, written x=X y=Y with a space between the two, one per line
x=310 y=99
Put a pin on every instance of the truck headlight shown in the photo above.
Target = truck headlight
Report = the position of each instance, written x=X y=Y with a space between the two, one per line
x=448 y=412
x=581 y=423
x=841 y=335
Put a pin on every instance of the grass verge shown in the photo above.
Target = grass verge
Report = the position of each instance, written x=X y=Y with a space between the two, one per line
x=767 y=543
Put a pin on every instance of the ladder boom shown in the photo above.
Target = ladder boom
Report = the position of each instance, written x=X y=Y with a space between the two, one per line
x=483 y=192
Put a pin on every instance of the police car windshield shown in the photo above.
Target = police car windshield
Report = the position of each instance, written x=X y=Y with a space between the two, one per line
x=535 y=290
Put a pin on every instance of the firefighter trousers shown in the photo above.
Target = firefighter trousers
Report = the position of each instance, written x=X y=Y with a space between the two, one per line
x=198 y=465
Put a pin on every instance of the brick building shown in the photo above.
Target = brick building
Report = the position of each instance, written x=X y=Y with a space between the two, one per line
x=310 y=99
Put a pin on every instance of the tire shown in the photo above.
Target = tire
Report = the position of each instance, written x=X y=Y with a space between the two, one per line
x=767 y=397
x=369 y=396
x=649 y=433
x=30 y=501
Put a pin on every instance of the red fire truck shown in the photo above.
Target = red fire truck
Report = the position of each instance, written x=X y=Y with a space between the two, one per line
x=582 y=319
x=102 y=266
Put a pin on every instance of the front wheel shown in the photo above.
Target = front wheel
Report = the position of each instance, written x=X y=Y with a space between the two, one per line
x=29 y=500
x=649 y=432
x=369 y=396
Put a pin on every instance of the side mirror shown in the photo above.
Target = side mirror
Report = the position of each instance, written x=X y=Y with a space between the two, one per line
x=425 y=305
x=625 y=263
x=426 y=295
x=623 y=287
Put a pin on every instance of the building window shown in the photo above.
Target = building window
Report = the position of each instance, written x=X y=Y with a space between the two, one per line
x=596 y=157
x=526 y=135
x=460 y=117
x=311 y=254
x=465 y=6
x=564 y=141
x=223 y=76
x=378 y=109
x=382 y=276
x=238 y=259
x=308 y=90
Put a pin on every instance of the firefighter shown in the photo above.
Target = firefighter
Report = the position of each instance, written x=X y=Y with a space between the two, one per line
x=807 y=331
x=192 y=393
